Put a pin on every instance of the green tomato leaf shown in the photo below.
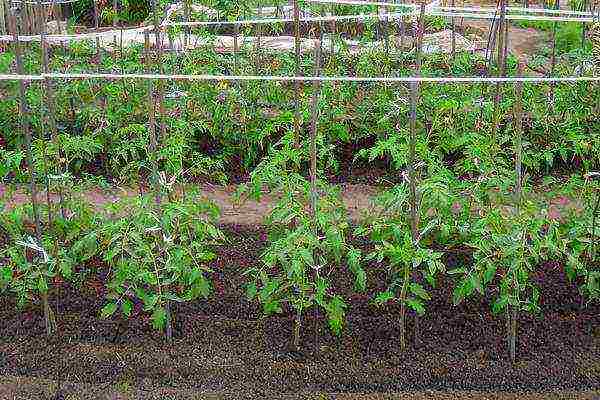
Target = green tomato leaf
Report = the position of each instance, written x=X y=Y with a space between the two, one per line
x=108 y=310
x=416 y=305
x=384 y=297
x=251 y=291
x=159 y=318
x=126 y=307
x=418 y=291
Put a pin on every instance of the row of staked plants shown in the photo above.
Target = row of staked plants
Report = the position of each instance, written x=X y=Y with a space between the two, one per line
x=160 y=247
x=465 y=181
x=220 y=132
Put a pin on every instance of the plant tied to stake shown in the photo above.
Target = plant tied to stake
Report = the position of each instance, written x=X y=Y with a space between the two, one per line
x=308 y=240
x=159 y=258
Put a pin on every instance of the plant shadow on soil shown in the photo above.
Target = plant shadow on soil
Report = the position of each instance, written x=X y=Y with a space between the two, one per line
x=222 y=345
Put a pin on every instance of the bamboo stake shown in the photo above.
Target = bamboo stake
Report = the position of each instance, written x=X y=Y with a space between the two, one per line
x=297 y=73
x=518 y=111
x=583 y=24
x=154 y=141
x=114 y=24
x=553 y=57
x=23 y=113
x=453 y=33
x=313 y=158
x=49 y=99
x=259 y=32
x=236 y=33
x=518 y=136
x=502 y=48
x=412 y=146
x=186 y=12
x=161 y=89
x=334 y=34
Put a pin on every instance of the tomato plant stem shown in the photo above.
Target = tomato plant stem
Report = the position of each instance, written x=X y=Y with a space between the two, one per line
x=513 y=333
x=297 y=323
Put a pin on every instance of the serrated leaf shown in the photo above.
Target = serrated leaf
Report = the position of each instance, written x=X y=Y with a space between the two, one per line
x=251 y=291
x=416 y=305
x=361 y=280
x=489 y=273
x=108 y=310
x=126 y=307
x=500 y=304
x=419 y=291
x=159 y=318
x=384 y=297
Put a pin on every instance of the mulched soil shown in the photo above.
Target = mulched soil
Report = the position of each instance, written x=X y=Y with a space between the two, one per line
x=223 y=346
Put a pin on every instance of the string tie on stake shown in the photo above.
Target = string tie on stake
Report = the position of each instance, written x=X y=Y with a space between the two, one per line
x=32 y=243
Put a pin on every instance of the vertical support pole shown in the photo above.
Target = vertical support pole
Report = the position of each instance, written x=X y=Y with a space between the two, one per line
x=24 y=122
x=260 y=26
x=236 y=45
x=583 y=24
x=518 y=111
x=453 y=33
x=161 y=89
x=114 y=24
x=297 y=73
x=96 y=25
x=518 y=144
x=314 y=201
x=334 y=35
x=553 y=56
x=151 y=120
x=313 y=130
x=186 y=12
x=49 y=99
x=412 y=148
x=502 y=50
x=414 y=87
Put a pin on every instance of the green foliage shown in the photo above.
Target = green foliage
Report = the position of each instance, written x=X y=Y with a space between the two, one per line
x=30 y=267
x=408 y=261
x=509 y=244
x=157 y=257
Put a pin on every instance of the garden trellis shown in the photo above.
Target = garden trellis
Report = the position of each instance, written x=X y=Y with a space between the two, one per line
x=158 y=132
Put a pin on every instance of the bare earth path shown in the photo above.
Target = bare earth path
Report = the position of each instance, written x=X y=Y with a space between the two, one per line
x=28 y=388
x=357 y=199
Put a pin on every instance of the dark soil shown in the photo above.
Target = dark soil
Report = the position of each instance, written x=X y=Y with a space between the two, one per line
x=223 y=346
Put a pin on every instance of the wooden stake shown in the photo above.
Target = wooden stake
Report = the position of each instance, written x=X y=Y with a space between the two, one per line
x=518 y=111
x=518 y=146
x=553 y=57
x=502 y=49
x=49 y=100
x=412 y=155
x=186 y=11
x=236 y=33
x=161 y=87
x=453 y=34
x=297 y=73
x=314 y=201
x=24 y=122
